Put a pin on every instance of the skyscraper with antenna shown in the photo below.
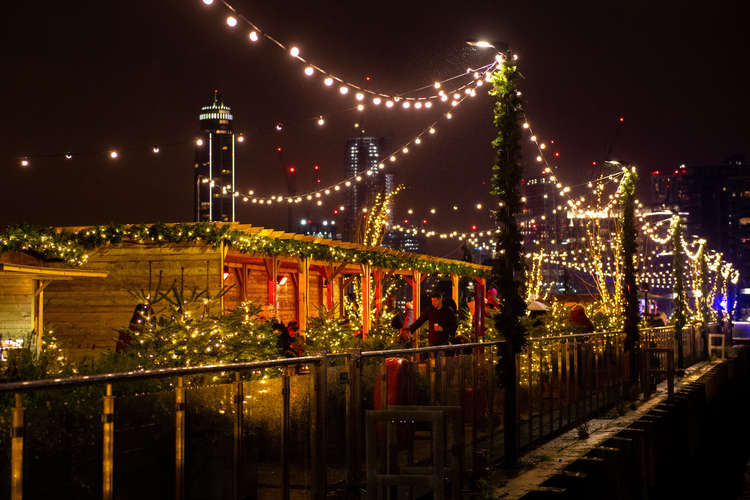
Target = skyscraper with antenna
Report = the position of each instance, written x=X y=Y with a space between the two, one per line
x=214 y=166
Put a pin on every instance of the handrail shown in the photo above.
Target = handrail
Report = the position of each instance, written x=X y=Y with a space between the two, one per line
x=30 y=385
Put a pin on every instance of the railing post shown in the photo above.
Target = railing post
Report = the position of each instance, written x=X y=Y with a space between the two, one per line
x=438 y=383
x=510 y=419
x=108 y=443
x=670 y=374
x=179 y=460
x=354 y=418
x=285 y=433
x=238 y=461
x=318 y=430
x=16 y=451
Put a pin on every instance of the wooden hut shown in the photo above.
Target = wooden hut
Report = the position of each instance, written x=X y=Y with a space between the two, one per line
x=23 y=280
x=293 y=273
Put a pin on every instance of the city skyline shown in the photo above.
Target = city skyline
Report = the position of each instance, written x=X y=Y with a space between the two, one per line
x=630 y=74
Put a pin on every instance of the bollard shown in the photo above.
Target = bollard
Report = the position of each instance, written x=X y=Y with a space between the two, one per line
x=108 y=443
x=179 y=445
x=16 y=453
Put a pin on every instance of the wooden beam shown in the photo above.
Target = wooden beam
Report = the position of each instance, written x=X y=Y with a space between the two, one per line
x=365 y=306
x=416 y=298
x=479 y=290
x=303 y=293
x=378 y=292
x=454 y=289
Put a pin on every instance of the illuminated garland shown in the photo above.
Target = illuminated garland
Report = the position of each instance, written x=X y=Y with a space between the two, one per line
x=71 y=247
x=255 y=33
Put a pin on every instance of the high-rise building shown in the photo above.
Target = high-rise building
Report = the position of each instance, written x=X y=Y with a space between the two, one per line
x=716 y=199
x=214 y=175
x=362 y=155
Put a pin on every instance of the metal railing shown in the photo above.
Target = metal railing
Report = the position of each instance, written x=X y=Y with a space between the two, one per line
x=291 y=428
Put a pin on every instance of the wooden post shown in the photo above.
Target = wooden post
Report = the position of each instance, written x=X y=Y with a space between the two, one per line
x=416 y=299
x=365 y=306
x=378 y=274
x=272 y=271
x=479 y=290
x=303 y=293
x=454 y=290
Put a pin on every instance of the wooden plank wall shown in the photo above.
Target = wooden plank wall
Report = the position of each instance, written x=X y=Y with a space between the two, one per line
x=16 y=307
x=257 y=291
x=85 y=313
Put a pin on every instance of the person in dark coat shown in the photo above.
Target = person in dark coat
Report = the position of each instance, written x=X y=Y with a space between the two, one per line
x=442 y=321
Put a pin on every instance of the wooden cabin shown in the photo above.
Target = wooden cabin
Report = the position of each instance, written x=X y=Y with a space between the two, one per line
x=23 y=280
x=87 y=312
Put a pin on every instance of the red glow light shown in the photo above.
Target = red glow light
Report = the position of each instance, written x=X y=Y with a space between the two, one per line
x=278 y=148
x=406 y=221
x=473 y=227
x=424 y=221
x=622 y=119
x=655 y=172
x=593 y=163
x=676 y=172
x=368 y=78
x=557 y=155
x=336 y=212
x=292 y=170
x=316 y=167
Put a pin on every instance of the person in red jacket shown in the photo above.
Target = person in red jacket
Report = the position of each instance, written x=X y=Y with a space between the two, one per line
x=442 y=320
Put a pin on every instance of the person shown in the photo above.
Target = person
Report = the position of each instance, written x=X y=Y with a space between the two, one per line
x=491 y=303
x=408 y=314
x=442 y=321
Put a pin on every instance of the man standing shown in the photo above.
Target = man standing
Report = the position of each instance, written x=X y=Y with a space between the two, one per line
x=442 y=321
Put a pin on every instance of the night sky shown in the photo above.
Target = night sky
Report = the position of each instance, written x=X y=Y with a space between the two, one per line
x=88 y=76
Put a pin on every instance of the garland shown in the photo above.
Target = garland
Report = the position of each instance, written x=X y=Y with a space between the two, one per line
x=508 y=269
x=679 y=316
x=628 y=247
x=71 y=247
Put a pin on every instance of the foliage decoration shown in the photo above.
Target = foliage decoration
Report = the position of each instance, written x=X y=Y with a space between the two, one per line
x=508 y=270
x=71 y=247
x=628 y=247
x=680 y=312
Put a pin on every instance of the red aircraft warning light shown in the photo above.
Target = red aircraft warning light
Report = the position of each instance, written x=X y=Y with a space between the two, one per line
x=292 y=170
x=473 y=227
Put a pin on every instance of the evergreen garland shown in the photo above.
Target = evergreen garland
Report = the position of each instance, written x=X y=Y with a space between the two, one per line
x=679 y=315
x=628 y=249
x=71 y=247
x=507 y=172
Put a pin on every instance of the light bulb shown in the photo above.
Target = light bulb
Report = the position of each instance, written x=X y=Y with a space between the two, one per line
x=231 y=21
x=388 y=104
x=24 y=163
x=428 y=104
x=309 y=71
x=253 y=36
x=294 y=52
x=432 y=130
x=360 y=107
x=418 y=105
x=437 y=85
x=343 y=90
x=328 y=81
x=406 y=104
x=199 y=142
x=113 y=155
x=208 y=2
x=321 y=121
x=359 y=96
x=376 y=101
